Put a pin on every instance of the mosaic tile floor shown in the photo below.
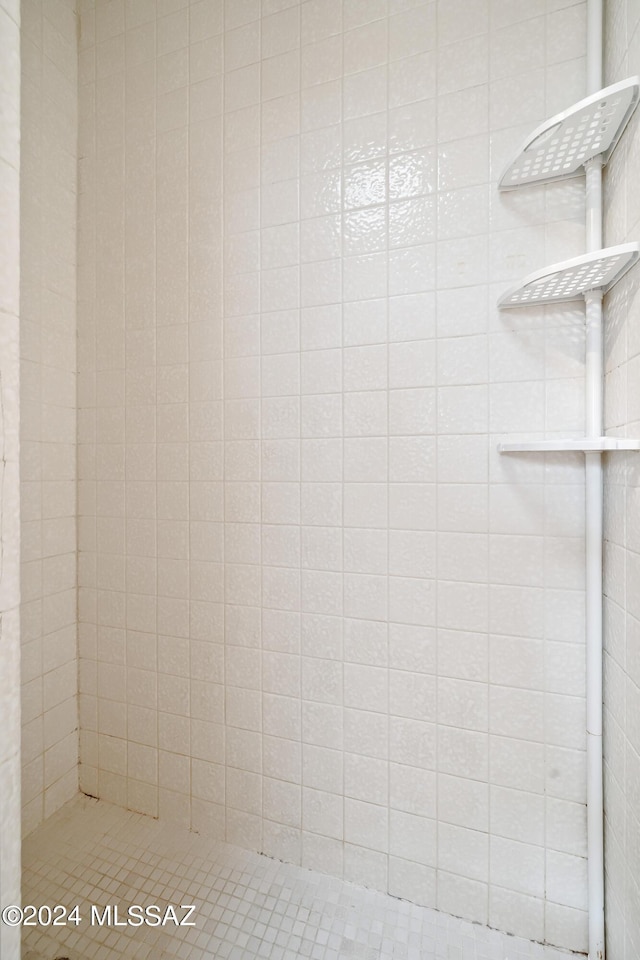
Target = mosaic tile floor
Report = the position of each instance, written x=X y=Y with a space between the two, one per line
x=247 y=906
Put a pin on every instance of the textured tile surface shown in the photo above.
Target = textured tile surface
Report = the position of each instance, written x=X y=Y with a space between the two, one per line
x=320 y=617
x=49 y=126
x=247 y=906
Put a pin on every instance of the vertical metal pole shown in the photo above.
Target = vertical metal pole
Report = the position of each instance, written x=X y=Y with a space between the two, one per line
x=595 y=34
x=594 y=372
x=593 y=605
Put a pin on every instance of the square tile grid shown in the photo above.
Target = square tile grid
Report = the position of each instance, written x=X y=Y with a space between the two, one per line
x=247 y=905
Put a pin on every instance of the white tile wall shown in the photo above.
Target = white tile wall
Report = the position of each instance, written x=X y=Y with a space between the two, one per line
x=320 y=617
x=49 y=107
x=9 y=470
x=622 y=615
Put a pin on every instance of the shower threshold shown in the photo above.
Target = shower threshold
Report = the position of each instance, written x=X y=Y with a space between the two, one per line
x=247 y=906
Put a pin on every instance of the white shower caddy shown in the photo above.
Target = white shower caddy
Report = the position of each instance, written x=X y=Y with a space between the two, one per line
x=584 y=136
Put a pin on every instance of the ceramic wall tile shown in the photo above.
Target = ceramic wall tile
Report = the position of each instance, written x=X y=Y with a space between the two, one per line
x=288 y=430
x=49 y=122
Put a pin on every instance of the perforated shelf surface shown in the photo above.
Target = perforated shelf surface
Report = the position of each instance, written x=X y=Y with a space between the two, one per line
x=571 y=279
x=562 y=145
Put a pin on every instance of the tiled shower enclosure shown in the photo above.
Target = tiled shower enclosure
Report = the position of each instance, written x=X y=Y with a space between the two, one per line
x=278 y=586
x=319 y=616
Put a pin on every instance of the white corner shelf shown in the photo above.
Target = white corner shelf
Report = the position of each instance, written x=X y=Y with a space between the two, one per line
x=559 y=147
x=571 y=279
x=581 y=445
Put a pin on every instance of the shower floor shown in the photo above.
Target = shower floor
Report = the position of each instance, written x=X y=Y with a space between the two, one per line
x=247 y=906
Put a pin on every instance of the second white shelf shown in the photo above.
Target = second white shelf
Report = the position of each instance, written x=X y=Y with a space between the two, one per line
x=571 y=279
